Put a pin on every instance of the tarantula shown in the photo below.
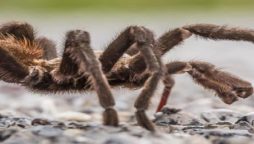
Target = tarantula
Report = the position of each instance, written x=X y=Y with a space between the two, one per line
x=132 y=59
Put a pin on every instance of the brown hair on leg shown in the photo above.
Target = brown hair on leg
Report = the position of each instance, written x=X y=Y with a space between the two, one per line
x=218 y=32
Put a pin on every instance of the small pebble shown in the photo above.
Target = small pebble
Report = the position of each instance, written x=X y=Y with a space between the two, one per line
x=47 y=131
x=5 y=134
x=169 y=116
x=39 y=121
x=243 y=125
x=73 y=116
x=247 y=118
x=220 y=115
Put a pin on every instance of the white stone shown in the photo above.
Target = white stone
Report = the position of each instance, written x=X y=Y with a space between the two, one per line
x=73 y=116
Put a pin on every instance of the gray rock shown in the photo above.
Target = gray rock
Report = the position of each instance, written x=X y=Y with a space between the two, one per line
x=247 y=118
x=22 y=122
x=220 y=115
x=224 y=133
x=5 y=134
x=169 y=116
x=47 y=131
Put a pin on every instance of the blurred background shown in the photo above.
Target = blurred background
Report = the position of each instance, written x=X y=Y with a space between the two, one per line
x=105 y=18
x=126 y=6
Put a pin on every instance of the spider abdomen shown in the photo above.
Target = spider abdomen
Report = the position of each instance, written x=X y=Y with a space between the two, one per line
x=22 y=50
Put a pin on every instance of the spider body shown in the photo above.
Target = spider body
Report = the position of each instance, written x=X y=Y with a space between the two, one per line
x=43 y=74
x=131 y=60
x=46 y=77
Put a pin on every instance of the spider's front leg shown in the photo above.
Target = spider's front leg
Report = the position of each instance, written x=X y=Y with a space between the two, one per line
x=227 y=86
x=143 y=39
x=78 y=57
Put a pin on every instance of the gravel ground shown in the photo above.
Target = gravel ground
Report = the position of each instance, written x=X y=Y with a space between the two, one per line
x=192 y=116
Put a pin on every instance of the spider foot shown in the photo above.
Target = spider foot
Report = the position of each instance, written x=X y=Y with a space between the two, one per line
x=244 y=92
x=143 y=120
x=228 y=97
x=110 y=117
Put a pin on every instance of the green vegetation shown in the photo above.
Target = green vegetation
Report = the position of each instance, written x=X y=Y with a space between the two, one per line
x=125 y=5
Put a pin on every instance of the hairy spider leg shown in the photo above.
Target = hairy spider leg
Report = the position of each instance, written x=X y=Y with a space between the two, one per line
x=82 y=57
x=143 y=39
